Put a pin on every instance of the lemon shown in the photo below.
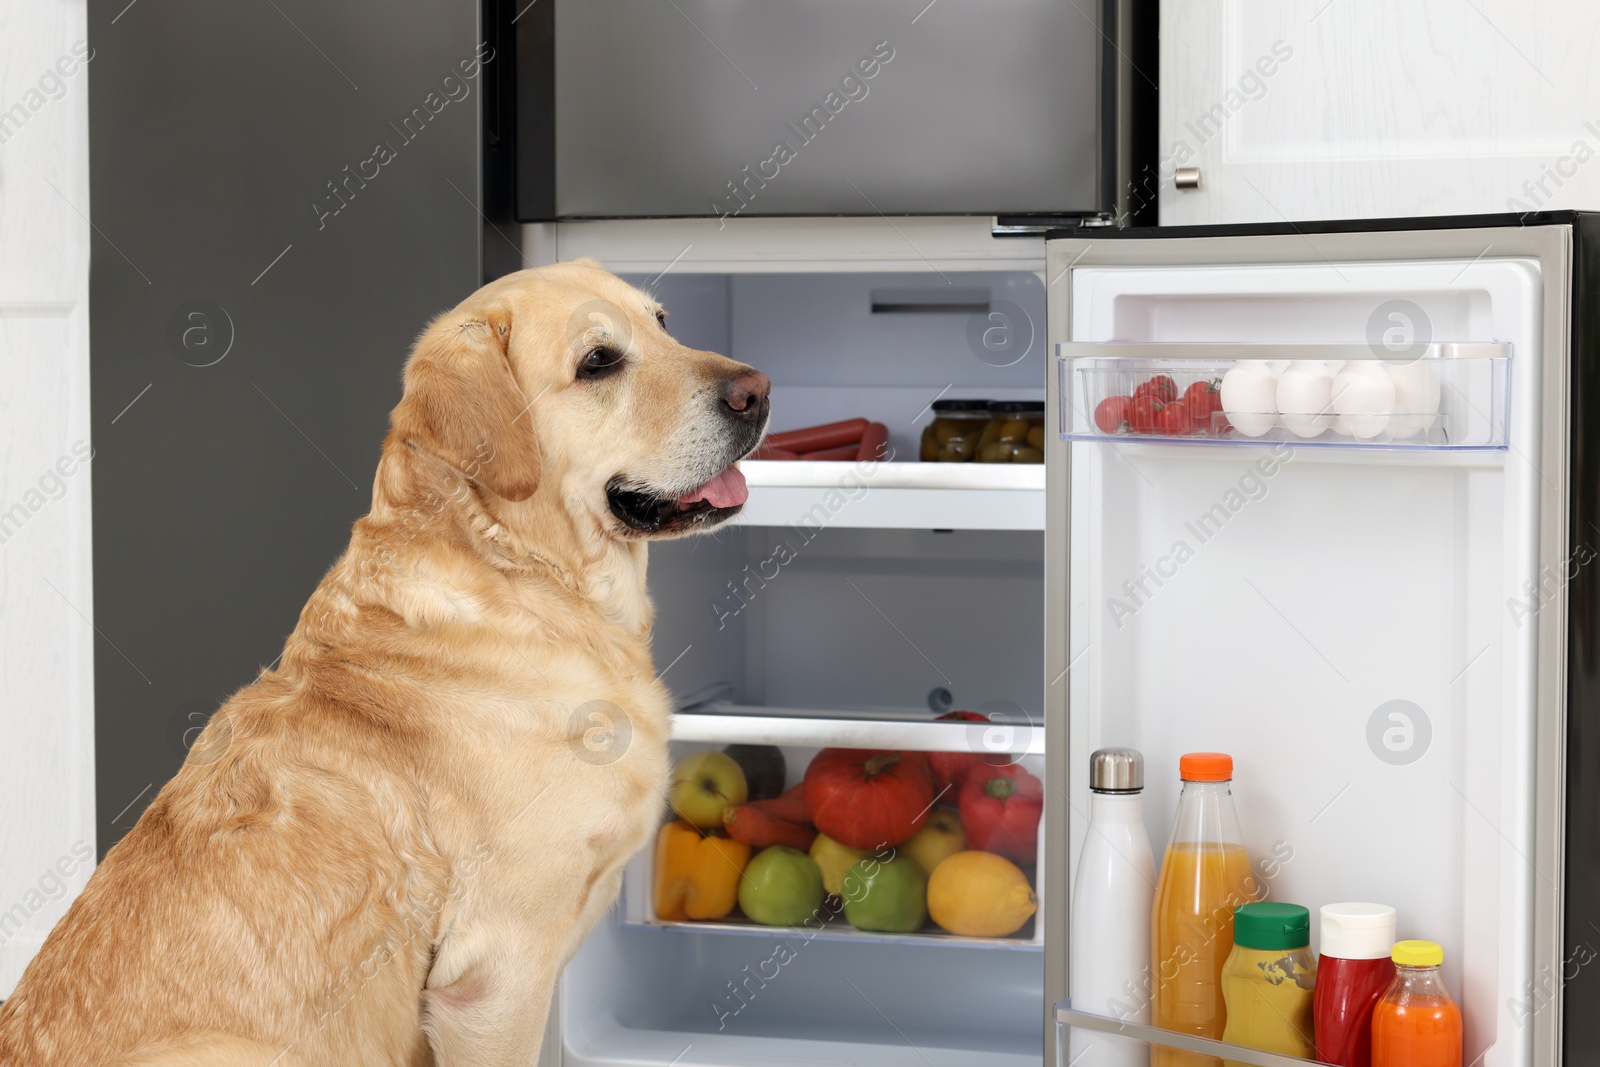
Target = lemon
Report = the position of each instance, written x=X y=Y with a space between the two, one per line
x=979 y=894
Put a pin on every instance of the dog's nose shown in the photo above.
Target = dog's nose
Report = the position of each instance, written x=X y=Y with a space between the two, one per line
x=746 y=393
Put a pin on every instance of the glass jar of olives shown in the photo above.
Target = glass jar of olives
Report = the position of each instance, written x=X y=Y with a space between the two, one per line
x=1014 y=433
x=952 y=436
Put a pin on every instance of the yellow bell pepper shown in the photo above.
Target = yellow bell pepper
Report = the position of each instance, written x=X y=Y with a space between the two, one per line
x=697 y=877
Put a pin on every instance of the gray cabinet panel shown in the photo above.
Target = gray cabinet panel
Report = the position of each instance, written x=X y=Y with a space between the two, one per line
x=249 y=321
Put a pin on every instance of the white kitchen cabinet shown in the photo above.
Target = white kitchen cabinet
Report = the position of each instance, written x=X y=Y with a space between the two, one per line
x=1319 y=109
x=47 y=841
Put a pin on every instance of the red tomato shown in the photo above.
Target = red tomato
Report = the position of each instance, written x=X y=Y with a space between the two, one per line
x=1143 y=414
x=1173 y=420
x=1203 y=399
x=1161 y=387
x=1111 y=414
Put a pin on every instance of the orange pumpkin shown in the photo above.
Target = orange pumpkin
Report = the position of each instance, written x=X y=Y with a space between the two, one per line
x=866 y=798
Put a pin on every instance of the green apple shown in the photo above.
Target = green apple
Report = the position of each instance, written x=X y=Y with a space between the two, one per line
x=835 y=860
x=782 y=886
x=890 y=896
x=704 y=786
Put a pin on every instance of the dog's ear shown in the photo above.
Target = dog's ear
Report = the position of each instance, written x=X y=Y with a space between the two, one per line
x=462 y=403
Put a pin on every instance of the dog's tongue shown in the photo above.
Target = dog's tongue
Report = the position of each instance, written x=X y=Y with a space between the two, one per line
x=726 y=490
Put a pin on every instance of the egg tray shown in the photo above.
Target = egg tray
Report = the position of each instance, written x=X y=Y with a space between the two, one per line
x=1425 y=404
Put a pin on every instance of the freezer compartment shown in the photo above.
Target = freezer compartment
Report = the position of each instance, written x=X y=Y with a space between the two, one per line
x=1434 y=396
x=793 y=739
x=1087 y=1040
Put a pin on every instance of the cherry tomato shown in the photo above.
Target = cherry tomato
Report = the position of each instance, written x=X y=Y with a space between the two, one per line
x=1143 y=414
x=1173 y=420
x=1203 y=399
x=1162 y=388
x=1111 y=414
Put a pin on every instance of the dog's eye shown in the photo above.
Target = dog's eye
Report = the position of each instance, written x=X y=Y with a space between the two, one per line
x=600 y=363
x=661 y=319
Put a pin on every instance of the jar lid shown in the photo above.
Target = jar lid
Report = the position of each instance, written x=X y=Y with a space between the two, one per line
x=1271 y=925
x=1017 y=407
x=1205 y=767
x=1116 y=770
x=946 y=407
x=1354 y=931
x=1417 y=954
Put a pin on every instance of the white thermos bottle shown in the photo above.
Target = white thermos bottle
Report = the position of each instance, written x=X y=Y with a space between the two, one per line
x=1111 y=903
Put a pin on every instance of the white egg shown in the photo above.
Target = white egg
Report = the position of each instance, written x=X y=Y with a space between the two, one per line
x=1416 y=398
x=1362 y=400
x=1249 y=398
x=1304 y=395
x=1334 y=365
x=1275 y=367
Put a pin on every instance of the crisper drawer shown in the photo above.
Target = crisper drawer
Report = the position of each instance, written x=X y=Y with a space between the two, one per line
x=788 y=878
x=1086 y=1040
x=1428 y=396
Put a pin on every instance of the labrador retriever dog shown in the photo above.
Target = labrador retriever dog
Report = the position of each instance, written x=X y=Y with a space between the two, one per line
x=383 y=851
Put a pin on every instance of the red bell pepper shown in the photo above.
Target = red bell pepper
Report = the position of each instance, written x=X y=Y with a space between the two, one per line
x=1000 y=809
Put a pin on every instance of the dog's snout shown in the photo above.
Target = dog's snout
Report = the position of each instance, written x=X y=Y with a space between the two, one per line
x=746 y=394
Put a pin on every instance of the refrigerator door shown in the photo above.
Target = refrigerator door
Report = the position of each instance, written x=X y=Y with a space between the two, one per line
x=1366 y=630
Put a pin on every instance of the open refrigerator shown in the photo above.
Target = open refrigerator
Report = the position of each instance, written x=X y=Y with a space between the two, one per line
x=1329 y=584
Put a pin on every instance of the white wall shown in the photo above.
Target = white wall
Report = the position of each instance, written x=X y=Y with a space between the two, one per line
x=46 y=640
x=1375 y=108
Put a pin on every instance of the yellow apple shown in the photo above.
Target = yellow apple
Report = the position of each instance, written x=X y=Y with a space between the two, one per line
x=940 y=838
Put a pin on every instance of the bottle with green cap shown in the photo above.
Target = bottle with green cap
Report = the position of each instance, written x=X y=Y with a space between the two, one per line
x=1416 y=1022
x=1270 y=979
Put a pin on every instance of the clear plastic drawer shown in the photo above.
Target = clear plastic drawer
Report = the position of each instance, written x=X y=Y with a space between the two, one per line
x=1440 y=396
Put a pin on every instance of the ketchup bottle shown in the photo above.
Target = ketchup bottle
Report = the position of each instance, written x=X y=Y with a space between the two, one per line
x=1352 y=974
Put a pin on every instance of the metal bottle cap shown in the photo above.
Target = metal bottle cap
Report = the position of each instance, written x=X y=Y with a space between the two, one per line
x=1116 y=770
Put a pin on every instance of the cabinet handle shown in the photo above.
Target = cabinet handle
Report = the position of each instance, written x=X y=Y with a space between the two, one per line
x=1187 y=178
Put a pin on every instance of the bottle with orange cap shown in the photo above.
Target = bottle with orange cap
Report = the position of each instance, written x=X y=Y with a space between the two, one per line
x=1205 y=875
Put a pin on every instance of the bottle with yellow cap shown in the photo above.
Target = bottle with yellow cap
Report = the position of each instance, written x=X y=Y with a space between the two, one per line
x=1205 y=875
x=1416 y=1023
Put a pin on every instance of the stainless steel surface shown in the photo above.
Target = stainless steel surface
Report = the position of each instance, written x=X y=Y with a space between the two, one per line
x=1116 y=770
x=234 y=163
x=1066 y=1015
x=1210 y=352
x=1551 y=246
x=678 y=109
x=1186 y=178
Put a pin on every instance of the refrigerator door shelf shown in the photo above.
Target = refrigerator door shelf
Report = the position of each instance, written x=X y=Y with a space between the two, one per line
x=1097 y=1041
x=1348 y=396
x=887 y=495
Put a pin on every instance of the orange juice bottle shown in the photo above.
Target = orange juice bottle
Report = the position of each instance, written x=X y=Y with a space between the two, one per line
x=1416 y=1023
x=1204 y=876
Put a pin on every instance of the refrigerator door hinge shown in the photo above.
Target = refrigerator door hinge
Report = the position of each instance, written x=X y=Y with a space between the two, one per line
x=1038 y=225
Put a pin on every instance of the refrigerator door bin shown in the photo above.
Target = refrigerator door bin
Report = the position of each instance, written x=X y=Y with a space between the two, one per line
x=1085 y=1040
x=1437 y=396
x=800 y=735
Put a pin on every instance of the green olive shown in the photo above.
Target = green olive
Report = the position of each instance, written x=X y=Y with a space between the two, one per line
x=998 y=452
x=1036 y=437
x=1028 y=455
x=930 y=445
x=952 y=454
x=1014 y=430
x=991 y=433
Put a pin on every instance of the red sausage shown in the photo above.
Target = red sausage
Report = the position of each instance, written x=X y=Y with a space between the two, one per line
x=812 y=438
x=874 y=443
x=847 y=452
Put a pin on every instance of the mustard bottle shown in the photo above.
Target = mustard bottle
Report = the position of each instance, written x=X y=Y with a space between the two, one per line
x=1269 y=980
